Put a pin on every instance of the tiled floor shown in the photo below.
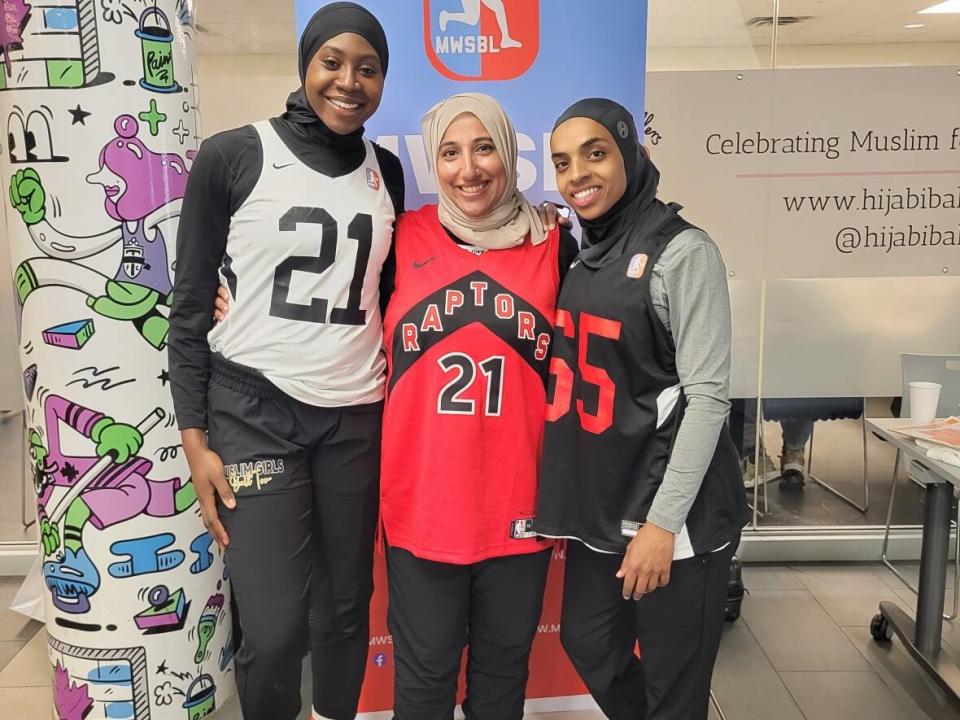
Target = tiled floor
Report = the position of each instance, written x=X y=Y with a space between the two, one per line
x=801 y=650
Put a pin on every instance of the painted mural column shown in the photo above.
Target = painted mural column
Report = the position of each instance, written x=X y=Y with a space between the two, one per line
x=101 y=127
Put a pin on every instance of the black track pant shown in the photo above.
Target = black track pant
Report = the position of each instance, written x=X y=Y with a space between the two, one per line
x=678 y=627
x=301 y=540
x=437 y=608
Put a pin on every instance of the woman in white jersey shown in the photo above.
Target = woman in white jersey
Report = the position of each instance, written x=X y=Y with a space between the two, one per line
x=279 y=406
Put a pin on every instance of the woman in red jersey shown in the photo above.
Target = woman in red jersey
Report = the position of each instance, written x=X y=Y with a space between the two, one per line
x=467 y=331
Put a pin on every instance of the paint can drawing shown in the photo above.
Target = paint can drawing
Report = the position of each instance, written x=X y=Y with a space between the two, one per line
x=201 y=697
x=156 y=41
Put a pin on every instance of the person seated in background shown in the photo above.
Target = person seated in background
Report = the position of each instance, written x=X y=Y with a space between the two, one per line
x=795 y=434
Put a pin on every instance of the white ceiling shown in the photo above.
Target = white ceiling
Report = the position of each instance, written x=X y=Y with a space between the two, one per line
x=713 y=23
x=245 y=27
x=256 y=27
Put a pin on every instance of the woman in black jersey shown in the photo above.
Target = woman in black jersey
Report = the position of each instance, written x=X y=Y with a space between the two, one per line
x=279 y=405
x=638 y=466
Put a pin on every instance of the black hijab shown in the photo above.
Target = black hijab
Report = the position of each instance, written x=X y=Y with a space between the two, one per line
x=638 y=209
x=319 y=146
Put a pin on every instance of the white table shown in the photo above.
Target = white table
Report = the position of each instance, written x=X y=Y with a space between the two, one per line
x=922 y=636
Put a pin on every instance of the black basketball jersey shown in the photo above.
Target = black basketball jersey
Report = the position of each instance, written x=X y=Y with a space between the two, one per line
x=615 y=403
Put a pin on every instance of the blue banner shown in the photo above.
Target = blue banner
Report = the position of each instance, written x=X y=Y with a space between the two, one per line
x=536 y=57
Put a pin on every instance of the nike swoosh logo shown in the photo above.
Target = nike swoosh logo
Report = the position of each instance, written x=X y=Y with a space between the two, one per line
x=418 y=265
x=281 y=167
x=574 y=264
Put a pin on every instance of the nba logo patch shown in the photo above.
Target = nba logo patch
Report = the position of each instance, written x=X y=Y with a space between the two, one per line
x=373 y=179
x=481 y=39
x=522 y=529
x=638 y=263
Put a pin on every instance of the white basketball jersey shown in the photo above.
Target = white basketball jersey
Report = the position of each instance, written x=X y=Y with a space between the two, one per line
x=304 y=253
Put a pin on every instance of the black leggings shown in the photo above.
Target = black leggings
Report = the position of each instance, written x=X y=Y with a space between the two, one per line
x=678 y=628
x=437 y=608
x=301 y=541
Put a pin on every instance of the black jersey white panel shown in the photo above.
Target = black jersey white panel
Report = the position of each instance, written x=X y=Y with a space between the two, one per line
x=303 y=262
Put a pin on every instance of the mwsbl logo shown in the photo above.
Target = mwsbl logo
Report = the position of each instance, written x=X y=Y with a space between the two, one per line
x=482 y=39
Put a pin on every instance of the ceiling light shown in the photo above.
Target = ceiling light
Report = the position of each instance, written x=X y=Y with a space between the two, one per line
x=948 y=6
x=914 y=26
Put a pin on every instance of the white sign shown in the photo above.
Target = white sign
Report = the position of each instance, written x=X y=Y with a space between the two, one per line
x=834 y=196
x=816 y=173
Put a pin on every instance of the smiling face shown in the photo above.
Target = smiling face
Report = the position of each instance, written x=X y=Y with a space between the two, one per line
x=590 y=171
x=344 y=82
x=469 y=167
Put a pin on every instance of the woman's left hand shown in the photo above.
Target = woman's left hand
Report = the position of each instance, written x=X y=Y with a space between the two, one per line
x=221 y=306
x=646 y=564
x=550 y=216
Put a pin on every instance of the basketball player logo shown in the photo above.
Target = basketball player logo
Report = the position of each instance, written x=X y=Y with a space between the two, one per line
x=482 y=39
x=638 y=263
x=373 y=179
x=470 y=15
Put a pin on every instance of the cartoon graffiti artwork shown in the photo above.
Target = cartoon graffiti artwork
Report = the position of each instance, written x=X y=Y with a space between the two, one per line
x=73 y=335
x=115 y=680
x=153 y=117
x=227 y=652
x=90 y=376
x=78 y=115
x=166 y=612
x=142 y=189
x=51 y=46
x=71 y=700
x=95 y=174
x=30 y=381
x=156 y=47
x=201 y=548
x=181 y=131
x=201 y=697
x=114 y=11
x=110 y=485
x=12 y=24
x=29 y=137
x=145 y=555
x=207 y=626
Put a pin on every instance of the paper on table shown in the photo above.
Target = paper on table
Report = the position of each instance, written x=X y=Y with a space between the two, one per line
x=942 y=432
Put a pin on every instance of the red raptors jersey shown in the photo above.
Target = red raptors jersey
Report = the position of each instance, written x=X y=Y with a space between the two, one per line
x=468 y=338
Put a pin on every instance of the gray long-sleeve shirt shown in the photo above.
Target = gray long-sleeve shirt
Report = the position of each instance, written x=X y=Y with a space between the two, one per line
x=690 y=296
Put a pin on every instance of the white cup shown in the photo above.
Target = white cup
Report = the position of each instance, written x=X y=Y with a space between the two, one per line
x=924 y=397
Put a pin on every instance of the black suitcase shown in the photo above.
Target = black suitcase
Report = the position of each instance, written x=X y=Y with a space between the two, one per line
x=735 y=591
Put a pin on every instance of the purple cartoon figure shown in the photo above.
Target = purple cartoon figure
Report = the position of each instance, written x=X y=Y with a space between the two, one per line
x=143 y=191
x=107 y=486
